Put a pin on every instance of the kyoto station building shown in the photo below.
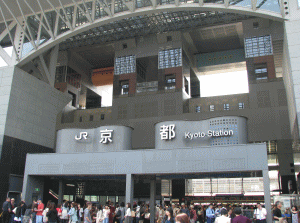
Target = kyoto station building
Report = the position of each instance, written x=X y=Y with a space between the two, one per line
x=194 y=101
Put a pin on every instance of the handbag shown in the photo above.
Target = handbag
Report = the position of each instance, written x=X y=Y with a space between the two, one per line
x=118 y=214
x=64 y=213
x=147 y=215
x=45 y=218
x=133 y=214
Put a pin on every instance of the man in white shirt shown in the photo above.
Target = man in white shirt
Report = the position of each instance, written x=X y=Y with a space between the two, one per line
x=138 y=213
x=223 y=218
x=260 y=214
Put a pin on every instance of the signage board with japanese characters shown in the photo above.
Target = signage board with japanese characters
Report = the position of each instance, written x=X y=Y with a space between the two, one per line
x=102 y=139
x=218 y=131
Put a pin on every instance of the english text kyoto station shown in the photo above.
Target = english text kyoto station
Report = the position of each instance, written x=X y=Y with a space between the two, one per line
x=158 y=102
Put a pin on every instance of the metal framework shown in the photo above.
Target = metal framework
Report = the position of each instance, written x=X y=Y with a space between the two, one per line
x=33 y=27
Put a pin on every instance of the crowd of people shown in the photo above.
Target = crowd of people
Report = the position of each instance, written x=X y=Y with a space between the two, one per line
x=71 y=212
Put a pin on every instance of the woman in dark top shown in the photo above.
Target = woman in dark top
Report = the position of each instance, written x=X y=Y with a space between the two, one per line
x=147 y=214
x=17 y=217
x=169 y=218
x=34 y=208
x=277 y=212
x=52 y=214
x=28 y=214
x=231 y=214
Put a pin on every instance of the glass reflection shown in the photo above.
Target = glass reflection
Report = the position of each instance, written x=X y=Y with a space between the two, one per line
x=165 y=2
x=271 y=5
x=214 y=1
x=189 y=1
x=244 y=3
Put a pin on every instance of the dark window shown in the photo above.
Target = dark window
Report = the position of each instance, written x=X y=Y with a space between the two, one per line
x=170 y=82
x=198 y=109
x=93 y=100
x=226 y=107
x=186 y=85
x=80 y=119
x=91 y=118
x=169 y=38
x=241 y=105
x=102 y=116
x=261 y=71
x=124 y=87
x=124 y=45
x=73 y=98
x=255 y=25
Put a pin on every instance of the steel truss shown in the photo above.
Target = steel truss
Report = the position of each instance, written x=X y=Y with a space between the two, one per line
x=30 y=32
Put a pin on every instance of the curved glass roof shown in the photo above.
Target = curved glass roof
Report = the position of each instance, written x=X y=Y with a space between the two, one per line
x=48 y=19
x=151 y=24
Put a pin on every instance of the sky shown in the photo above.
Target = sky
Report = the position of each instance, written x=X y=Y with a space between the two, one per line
x=224 y=84
x=9 y=51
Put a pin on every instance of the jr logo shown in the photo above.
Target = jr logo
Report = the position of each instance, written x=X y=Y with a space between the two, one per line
x=82 y=135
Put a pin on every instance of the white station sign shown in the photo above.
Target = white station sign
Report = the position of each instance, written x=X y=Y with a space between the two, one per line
x=105 y=136
x=167 y=132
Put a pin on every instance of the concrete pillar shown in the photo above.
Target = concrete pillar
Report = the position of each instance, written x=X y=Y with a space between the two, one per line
x=129 y=189
x=30 y=184
x=152 y=200
x=267 y=195
x=60 y=192
x=286 y=165
x=291 y=66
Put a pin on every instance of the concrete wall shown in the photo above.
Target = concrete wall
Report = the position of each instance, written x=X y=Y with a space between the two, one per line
x=31 y=183
x=6 y=77
x=32 y=110
x=266 y=27
x=265 y=107
x=250 y=157
x=291 y=72
x=149 y=45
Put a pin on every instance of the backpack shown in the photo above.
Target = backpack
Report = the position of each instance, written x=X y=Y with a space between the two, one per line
x=118 y=214
x=45 y=218
x=192 y=215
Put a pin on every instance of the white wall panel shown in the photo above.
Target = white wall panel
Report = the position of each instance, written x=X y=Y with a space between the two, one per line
x=32 y=110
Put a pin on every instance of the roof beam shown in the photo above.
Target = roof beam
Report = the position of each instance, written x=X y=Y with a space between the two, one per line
x=9 y=34
x=48 y=24
x=86 y=13
x=39 y=19
x=12 y=14
x=105 y=7
x=67 y=21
